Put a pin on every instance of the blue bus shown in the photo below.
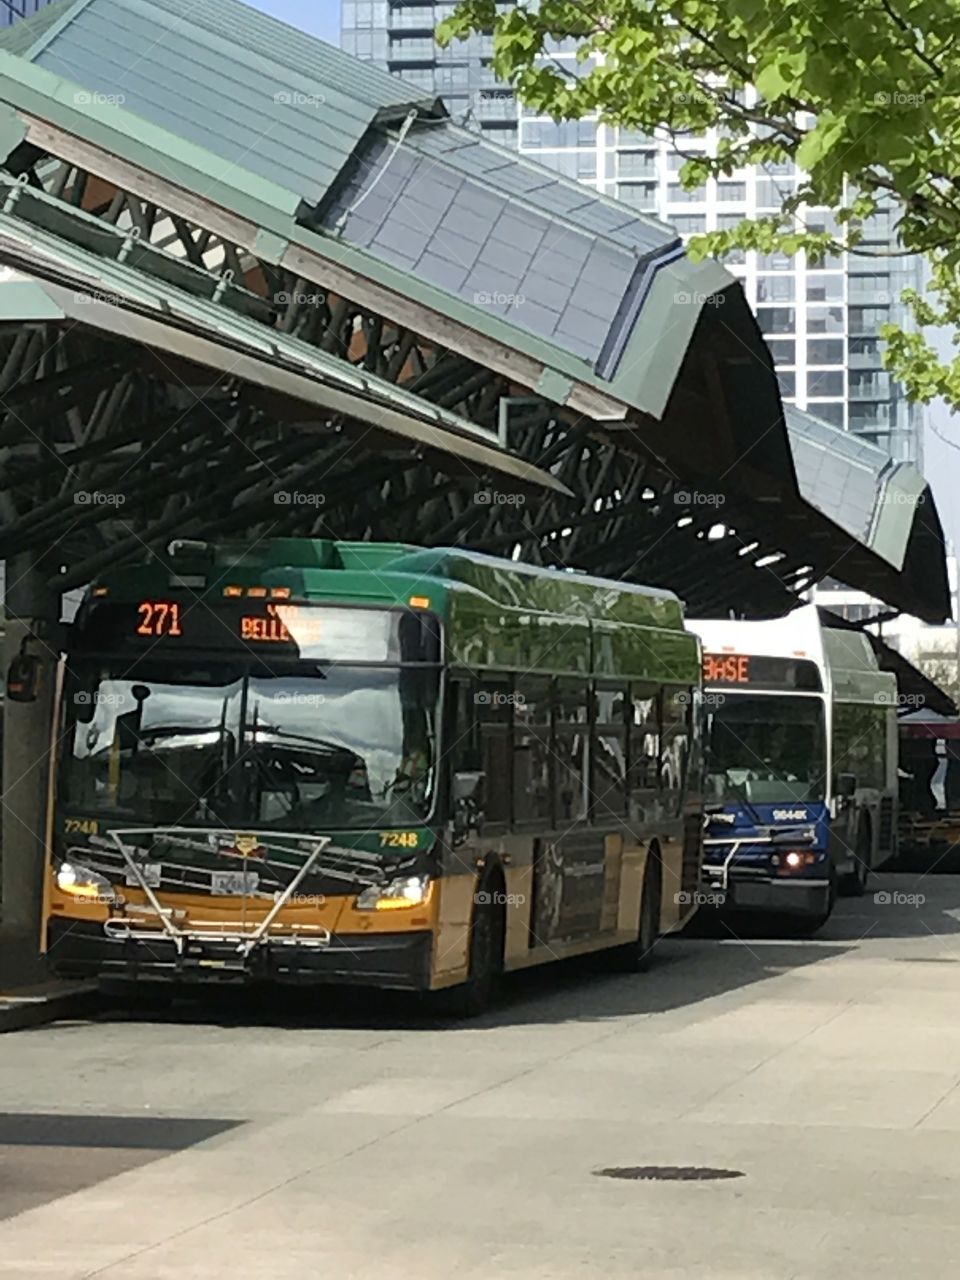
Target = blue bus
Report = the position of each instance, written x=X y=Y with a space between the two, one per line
x=800 y=765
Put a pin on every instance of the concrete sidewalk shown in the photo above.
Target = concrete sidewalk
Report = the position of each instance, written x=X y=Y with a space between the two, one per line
x=348 y=1136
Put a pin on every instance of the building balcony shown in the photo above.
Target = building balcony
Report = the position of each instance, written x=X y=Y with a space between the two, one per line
x=865 y=360
x=868 y=395
x=399 y=56
x=410 y=27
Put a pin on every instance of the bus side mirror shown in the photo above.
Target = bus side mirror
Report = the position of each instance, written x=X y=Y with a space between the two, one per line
x=467 y=799
x=846 y=785
x=23 y=677
x=466 y=785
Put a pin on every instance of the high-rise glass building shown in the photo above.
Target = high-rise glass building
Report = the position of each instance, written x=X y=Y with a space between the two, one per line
x=12 y=11
x=822 y=323
x=399 y=36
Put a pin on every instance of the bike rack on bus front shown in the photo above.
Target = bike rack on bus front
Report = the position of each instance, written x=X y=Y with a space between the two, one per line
x=724 y=871
x=803 y=836
x=120 y=929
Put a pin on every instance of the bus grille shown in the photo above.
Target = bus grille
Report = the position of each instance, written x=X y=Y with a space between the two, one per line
x=175 y=877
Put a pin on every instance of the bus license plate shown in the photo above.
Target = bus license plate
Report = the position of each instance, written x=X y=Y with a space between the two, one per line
x=234 y=883
x=151 y=875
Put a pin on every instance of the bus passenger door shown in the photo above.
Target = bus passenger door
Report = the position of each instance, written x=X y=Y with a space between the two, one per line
x=475 y=750
x=570 y=874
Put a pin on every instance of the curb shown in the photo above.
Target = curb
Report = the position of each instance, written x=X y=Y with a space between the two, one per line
x=34 y=1007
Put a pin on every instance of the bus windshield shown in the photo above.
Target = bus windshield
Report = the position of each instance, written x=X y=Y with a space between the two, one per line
x=306 y=748
x=765 y=748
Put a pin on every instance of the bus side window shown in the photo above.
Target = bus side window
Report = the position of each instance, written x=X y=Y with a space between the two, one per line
x=462 y=728
x=608 y=784
x=643 y=751
x=859 y=743
x=494 y=710
x=675 y=745
x=532 y=752
x=571 y=715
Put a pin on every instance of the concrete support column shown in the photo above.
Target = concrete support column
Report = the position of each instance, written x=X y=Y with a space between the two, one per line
x=32 y=610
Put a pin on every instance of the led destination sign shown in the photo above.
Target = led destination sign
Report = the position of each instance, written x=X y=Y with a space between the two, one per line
x=266 y=628
x=758 y=671
x=726 y=668
x=232 y=627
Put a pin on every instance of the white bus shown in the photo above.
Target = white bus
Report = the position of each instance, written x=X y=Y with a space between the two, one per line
x=801 y=764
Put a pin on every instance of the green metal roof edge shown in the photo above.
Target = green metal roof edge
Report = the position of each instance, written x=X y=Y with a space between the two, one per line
x=274 y=209
x=665 y=327
x=33 y=302
x=134 y=139
x=641 y=352
x=902 y=492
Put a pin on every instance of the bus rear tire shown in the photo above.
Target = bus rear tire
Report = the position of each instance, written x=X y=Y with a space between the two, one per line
x=487 y=935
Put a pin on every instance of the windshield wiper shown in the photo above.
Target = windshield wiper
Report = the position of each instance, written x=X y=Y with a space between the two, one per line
x=740 y=792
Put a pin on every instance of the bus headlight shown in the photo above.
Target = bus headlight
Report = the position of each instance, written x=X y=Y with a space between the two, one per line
x=81 y=882
x=404 y=891
x=795 y=860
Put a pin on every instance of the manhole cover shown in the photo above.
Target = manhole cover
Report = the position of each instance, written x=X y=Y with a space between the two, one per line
x=669 y=1173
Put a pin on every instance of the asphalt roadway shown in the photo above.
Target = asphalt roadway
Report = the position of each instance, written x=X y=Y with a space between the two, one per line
x=307 y=1137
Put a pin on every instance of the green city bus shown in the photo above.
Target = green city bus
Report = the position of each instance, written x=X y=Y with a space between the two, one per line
x=314 y=761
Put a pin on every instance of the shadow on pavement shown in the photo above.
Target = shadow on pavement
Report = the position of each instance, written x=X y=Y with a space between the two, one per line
x=710 y=959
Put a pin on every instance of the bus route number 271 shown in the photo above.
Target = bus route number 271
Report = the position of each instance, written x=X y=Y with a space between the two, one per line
x=159 y=618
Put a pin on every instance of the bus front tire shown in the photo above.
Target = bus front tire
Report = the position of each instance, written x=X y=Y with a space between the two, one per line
x=487 y=935
x=637 y=957
x=854 y=883
x=807 y=926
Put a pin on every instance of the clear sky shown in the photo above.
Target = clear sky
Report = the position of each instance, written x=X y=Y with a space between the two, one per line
x=318 y=17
